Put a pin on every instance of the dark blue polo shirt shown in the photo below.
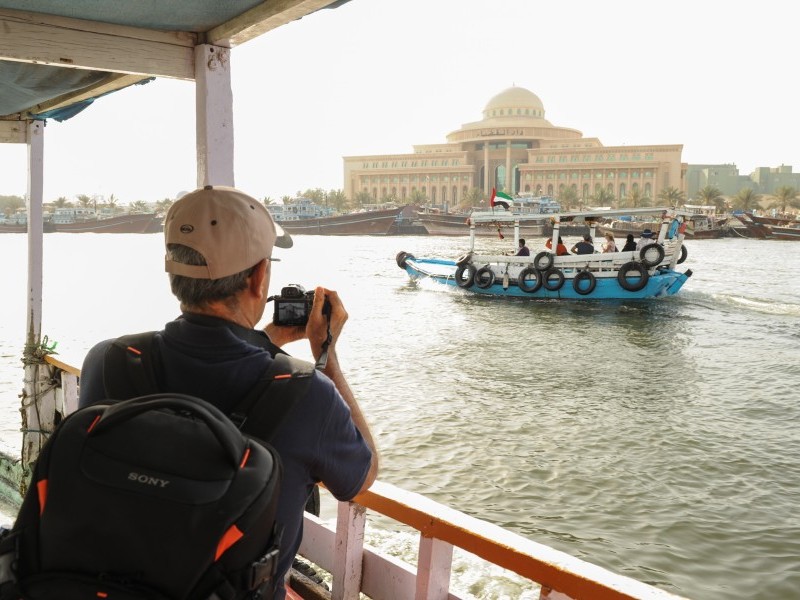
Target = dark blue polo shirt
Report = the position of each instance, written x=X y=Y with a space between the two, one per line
x=220 y=361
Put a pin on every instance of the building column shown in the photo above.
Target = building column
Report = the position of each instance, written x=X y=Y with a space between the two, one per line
x=508 y=167
x=486 y=169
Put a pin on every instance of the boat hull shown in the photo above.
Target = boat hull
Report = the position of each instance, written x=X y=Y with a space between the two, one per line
x=664 y=282
x=135 y=223
x=378 y=222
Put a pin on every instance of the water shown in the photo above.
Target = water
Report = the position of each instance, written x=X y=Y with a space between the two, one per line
x=658 y=439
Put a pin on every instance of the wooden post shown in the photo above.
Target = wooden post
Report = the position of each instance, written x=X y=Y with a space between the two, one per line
x=214 y=106
x=433 y=569
x=348 y=551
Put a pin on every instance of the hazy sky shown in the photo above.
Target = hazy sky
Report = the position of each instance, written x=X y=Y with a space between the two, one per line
x=377 y=76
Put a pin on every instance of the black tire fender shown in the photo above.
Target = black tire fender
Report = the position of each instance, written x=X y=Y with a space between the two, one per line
x=576 y=283
x=402 y=257
x=484 y=277
x=549 y=283
x=464 y=259
x=648 y=251
x=632 y=286
x=467 y=282
x=522 y=280
x=684 y=254
x=543 y=261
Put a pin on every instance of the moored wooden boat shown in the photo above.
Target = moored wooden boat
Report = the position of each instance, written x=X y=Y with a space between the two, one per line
x=373 y=222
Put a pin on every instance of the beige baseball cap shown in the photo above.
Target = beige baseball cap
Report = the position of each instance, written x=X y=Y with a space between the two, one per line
x=232 y=230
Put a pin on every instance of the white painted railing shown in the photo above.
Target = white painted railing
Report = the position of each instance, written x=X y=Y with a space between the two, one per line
x=356 y=568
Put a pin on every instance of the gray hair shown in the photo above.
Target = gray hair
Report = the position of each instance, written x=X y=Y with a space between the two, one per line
x=200 y=292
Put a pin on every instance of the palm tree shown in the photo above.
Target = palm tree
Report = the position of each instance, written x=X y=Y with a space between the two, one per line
x=746 y=199
x=268 y=201
x=336 y=199
x=603 y=197
x=61 y=202
x=417 y=197
x=139 y=206
x=568 y=196
x=672 y=196
x=785 y=196
x=635 y=199
x=84 y=200
x=162 y=206
x=362 y=198
x=471 y=199
x=287 y=199
x=711 y=195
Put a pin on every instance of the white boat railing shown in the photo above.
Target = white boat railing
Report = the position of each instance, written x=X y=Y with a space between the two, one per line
x=356 y=568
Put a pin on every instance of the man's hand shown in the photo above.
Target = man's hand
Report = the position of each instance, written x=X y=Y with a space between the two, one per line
x=317 y=327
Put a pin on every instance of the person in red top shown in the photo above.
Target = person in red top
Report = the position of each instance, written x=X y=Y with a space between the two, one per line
x=561 y=249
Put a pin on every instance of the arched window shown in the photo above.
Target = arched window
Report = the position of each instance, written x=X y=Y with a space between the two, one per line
x=585 y=191
x=455 y=195
x=433 y=194
x=444 y=194
x=623 y=190
x=527 y=189
x=647 y=190
x=374 y=193
x=550 y=189
x=403 y=193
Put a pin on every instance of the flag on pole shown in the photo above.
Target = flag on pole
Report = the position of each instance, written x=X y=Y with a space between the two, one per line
x=504 y=199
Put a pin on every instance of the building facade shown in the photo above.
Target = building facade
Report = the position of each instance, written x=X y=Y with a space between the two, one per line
x=726 y=178
x=516 y=150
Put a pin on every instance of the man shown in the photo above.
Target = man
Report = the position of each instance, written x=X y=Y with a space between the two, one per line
x=219 y=255
x=523 y=249
x=585 y=246
x=645 y=240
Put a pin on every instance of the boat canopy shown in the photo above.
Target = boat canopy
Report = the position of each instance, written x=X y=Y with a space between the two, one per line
x=57 y=57
x=507 y=216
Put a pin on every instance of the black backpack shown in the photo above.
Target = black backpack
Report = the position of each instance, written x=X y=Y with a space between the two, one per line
x=158 y=497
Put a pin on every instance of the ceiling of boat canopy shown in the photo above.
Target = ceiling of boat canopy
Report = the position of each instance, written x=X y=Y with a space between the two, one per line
x=57 y=56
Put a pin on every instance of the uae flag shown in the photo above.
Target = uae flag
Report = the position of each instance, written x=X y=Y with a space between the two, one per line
x=500 y=198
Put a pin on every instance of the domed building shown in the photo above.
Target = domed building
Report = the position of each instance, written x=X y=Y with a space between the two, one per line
x=515 y=149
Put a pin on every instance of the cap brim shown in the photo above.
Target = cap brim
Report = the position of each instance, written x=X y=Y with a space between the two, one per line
x=282 y=239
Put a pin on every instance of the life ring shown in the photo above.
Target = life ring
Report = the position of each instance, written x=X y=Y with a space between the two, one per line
x=484 y=277
x=470 y=278
x=402 y=257
x=576 y=283
x=646 y=254
x=684 y=254
x=529 y=280
x=637 y=284
x=543 y=261
x=463 y=259
x=553 y=285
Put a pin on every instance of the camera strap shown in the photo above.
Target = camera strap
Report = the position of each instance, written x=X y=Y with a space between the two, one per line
x=322 y=361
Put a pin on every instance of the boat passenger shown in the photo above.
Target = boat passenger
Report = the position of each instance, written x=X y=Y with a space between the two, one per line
x=609 y=245
x=219 y=256
x=629 y=243
x=561 y=249
x=523 y=249
x=585 y=246
x=645 y=240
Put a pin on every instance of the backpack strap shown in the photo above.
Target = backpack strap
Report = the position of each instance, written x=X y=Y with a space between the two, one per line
x=131 y=366
x=285 y=381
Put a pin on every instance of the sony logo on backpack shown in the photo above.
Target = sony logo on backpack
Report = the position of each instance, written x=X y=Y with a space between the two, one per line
x=147 y=479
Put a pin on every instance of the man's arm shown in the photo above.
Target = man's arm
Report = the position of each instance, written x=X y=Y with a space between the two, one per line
x=316 y=331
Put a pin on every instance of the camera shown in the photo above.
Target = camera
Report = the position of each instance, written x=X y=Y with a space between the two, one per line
x=293 y=306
